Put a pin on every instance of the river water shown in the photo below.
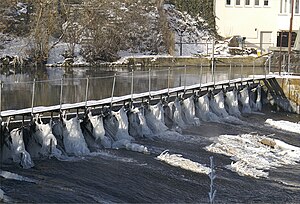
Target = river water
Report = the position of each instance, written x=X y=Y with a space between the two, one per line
x=55 y=85
x=129 y=176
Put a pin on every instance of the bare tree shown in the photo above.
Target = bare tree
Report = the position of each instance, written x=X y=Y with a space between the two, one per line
x=46 y=25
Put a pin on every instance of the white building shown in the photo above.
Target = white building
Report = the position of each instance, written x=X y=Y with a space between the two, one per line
x=260 y=21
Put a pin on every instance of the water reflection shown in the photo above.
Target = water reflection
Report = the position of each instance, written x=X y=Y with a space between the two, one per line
x=77 y=84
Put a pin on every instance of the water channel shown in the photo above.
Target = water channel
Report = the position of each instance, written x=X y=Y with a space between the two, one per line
x=55 y=85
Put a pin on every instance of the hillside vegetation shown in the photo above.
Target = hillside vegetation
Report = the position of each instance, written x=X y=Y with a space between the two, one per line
x=102 y=28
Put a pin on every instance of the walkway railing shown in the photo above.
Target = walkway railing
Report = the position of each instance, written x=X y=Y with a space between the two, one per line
x=15 y=95
x=284 y=64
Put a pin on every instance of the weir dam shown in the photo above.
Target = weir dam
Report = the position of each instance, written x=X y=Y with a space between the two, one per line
x=114 y=122
x=149 y=136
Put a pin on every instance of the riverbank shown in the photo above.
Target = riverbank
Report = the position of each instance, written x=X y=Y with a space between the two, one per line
x=177 y=61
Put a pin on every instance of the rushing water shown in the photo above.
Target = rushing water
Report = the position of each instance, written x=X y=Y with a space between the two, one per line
x=159 y=154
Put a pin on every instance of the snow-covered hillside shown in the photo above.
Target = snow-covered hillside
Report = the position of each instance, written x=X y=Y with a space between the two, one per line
x=181 y=34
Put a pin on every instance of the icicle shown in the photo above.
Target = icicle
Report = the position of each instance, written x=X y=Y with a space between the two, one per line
x=98 y=130
x=232 y=103
x=6 y=144
x=244 y=99
x=44 y=136
x=111 y=126
x=19 y=153
x=189 y=112
x=146 y=130
x=137 y=123
x=73 y=138
x=57 y=130
x=177 y=113
x=255 y=99
x=135 y=129
x=122 y=132
x=217 y=105
x=203 y=110
x=155 y=118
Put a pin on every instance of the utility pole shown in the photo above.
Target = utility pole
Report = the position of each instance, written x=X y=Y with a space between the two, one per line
x=290 y=34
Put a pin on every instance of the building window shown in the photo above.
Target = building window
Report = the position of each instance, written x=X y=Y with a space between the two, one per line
x=237 y=2
x=228 y=2
x=256 y=2
x=266 y=2
x=247 y=2
x=283 y=38
x=297 y=7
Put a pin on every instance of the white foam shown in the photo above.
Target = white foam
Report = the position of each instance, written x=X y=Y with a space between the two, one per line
x=73 y=138
x=13 y=176
x=254 y=155
x=19 y=153
x=284 y=125
x=178 y=161
x=127 y=144
x=189 y=112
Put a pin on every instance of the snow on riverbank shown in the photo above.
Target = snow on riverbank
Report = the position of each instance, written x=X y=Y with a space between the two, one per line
x=255 y=155
x=284 y=125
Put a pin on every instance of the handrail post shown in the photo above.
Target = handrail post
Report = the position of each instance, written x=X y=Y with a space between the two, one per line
x=0 y=98
x=214 y=71
x=213 y=61
x=270 y=59
x=253 y=69
x=132 y=85
x=230 y=72
x=33 y=96
x=169 y=72
x=265 y=70
x=113 y=90
x=87 y=90
x=149 y=82
x=61 y=93
x=242 y=66
x=200 y=77
x=184 y=77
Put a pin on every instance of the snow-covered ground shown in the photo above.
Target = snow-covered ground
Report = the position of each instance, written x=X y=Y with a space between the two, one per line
x=191 y=32
x=13 y=45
